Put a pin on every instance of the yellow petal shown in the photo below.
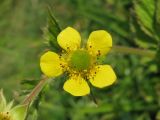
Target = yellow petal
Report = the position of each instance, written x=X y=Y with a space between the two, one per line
x=69 y=39
x=50 y=64
x=76 y=86
x=102 y=76
x=99 y=42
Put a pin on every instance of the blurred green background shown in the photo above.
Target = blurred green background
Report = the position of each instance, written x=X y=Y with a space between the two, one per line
x=132 y=23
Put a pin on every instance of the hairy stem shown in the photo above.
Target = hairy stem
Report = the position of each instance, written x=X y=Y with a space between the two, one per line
x=136 y=51
x=35 y=91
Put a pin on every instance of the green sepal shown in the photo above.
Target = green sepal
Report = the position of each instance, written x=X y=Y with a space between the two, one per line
x=101 y=59
x=19 y=112
x=2 y=101
x=9 y=106
x=51 y=32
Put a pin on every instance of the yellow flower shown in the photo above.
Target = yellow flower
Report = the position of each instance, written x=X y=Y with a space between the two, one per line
x=80 y=63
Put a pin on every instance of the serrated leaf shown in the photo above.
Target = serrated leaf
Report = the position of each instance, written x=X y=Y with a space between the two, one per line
x=30 y=82
x=157 y=18
x=51 y=32
x=28 y=85
x=145 y=10
x=158 y=11
x=142 y=39
x=157 y=59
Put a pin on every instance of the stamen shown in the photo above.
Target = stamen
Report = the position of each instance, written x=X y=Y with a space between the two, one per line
x=63 y=51
x=60 y=56
x=5 y=116
x=99 y=53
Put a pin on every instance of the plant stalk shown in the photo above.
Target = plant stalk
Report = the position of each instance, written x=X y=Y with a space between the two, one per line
x=135 y=51
x=35 y=91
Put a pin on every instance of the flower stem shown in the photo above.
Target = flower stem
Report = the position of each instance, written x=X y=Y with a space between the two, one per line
x=93 y=98
x=35 y=91
x=135 y=51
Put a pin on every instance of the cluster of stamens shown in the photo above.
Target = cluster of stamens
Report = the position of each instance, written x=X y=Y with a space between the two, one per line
x=5 y=116
x=99 y=53
x=85 y=73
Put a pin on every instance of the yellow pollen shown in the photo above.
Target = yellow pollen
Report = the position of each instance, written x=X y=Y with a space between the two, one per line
x=5 y=116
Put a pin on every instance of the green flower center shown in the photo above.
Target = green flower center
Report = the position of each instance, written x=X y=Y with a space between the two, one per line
x=5 y=116
x=80 y=60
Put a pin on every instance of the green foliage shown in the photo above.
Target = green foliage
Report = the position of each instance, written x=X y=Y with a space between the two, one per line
x=157 y=18
x=51 y=32
x=146 y=17
x=144 y=10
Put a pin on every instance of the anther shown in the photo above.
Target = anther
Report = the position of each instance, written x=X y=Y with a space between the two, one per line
x=99 y=52
x=60 y=55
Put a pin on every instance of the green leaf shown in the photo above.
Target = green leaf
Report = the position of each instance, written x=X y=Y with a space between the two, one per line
x=104 y=18
x=145 y=10
x=157 y=18
x=35 y=115
x=30 y=82
x=157 y=59
x=142 y=39
x=19 y=112
x=158 y=11
x=51 y=32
